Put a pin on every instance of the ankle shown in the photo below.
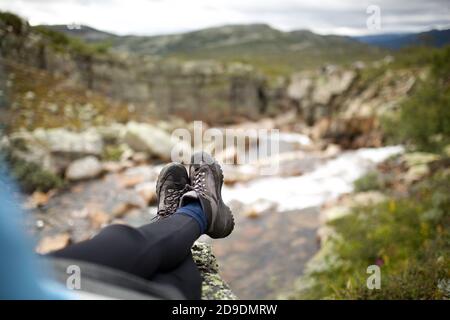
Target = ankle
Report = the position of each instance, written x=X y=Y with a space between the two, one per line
x=194 y=210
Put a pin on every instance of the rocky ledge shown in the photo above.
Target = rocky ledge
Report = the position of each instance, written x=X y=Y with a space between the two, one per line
x=214 y=287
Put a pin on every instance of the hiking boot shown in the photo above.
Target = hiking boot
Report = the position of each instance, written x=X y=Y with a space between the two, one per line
x=170 y=187
x=206 y=179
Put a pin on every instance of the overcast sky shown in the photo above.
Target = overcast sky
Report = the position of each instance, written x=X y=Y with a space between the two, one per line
x=150 y=17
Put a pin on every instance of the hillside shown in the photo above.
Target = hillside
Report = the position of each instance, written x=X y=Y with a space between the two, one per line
x=434 y=38
x=273 y=51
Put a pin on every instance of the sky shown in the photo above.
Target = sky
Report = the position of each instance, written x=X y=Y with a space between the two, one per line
x=153 y=17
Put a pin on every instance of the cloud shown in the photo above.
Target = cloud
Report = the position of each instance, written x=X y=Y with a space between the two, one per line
x=168 y=16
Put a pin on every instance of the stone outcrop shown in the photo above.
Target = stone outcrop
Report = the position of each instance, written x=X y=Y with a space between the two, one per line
x=213 y=287
x=53 y=149
x=341 y=104
x=149 y=85
x=344 y=105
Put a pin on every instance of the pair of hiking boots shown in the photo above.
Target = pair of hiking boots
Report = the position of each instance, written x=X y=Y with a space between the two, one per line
x=175 y=188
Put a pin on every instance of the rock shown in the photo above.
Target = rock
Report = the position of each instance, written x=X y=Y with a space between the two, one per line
x=128 y=181
x=139 y=157
x=300 y=86
x=242 y=173
x=147 y=138
x=98 y=218
x=24 y=146
x=255 y=210
x=365 y=198
x=52 y=243
x=147 y=191
x=333 y=83
x=122 y=209
x=112 y=166
x=213 y=286
x=38 y=199
x=84 y=168
x=332 y=150
x=334 y=213
x=54 y=149
x=112 y=133
x=345 y=205
x=63 y=142
x=416 y=173
x=419 y=158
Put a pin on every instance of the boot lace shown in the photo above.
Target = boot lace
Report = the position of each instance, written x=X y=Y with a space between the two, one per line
x=199 y=183
x=171 y=201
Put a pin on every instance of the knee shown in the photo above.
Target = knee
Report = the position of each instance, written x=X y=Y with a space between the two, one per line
x=123 y=232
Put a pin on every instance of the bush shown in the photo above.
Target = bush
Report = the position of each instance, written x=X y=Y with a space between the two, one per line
x=407 y=238
x=30 y=176
x=368 y=182
x=61 y=42
x=423 y=120
x=13 y=21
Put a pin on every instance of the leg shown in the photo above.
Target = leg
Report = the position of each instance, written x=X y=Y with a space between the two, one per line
x=158 y=246
x=186 y=277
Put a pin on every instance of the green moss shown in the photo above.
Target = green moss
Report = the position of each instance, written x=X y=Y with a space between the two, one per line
x=32 y=177
x=112 y=153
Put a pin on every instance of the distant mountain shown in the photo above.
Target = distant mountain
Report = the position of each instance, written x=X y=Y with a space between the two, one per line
x=271 y=50
x=433 y=38
x=83 y=32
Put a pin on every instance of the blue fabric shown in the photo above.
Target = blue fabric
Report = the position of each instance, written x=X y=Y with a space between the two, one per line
x=194 y=210
x=22 y=273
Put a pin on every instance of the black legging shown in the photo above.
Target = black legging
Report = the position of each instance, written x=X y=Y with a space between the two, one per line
x=159 y=252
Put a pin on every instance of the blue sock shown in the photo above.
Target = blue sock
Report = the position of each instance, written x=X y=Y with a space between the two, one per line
x=194 y=210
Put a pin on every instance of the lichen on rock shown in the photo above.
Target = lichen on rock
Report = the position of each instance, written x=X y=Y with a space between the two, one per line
x=213 y=287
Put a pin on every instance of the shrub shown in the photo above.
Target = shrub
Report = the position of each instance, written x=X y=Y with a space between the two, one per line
x=13 y=21
x=407 y=238
x=30 y=176
x=423 y=120
x=61 y=42
x=370 y=181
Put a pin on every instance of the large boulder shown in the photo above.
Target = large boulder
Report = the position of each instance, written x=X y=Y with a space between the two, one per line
x=84 y=168
x=300 y=86
x=24 y=146
x=150 y=139
x=331 y=84
x=53 y=149
x=74 y=144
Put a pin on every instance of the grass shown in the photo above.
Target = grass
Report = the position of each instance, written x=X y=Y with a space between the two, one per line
x=407 y=237
x=370 y=181
x=63 y=43
x=31 y=177
x=39 y=99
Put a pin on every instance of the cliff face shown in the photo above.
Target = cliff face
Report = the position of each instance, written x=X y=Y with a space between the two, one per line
x=149 y=85
x=346 y=105
x=48 y=77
